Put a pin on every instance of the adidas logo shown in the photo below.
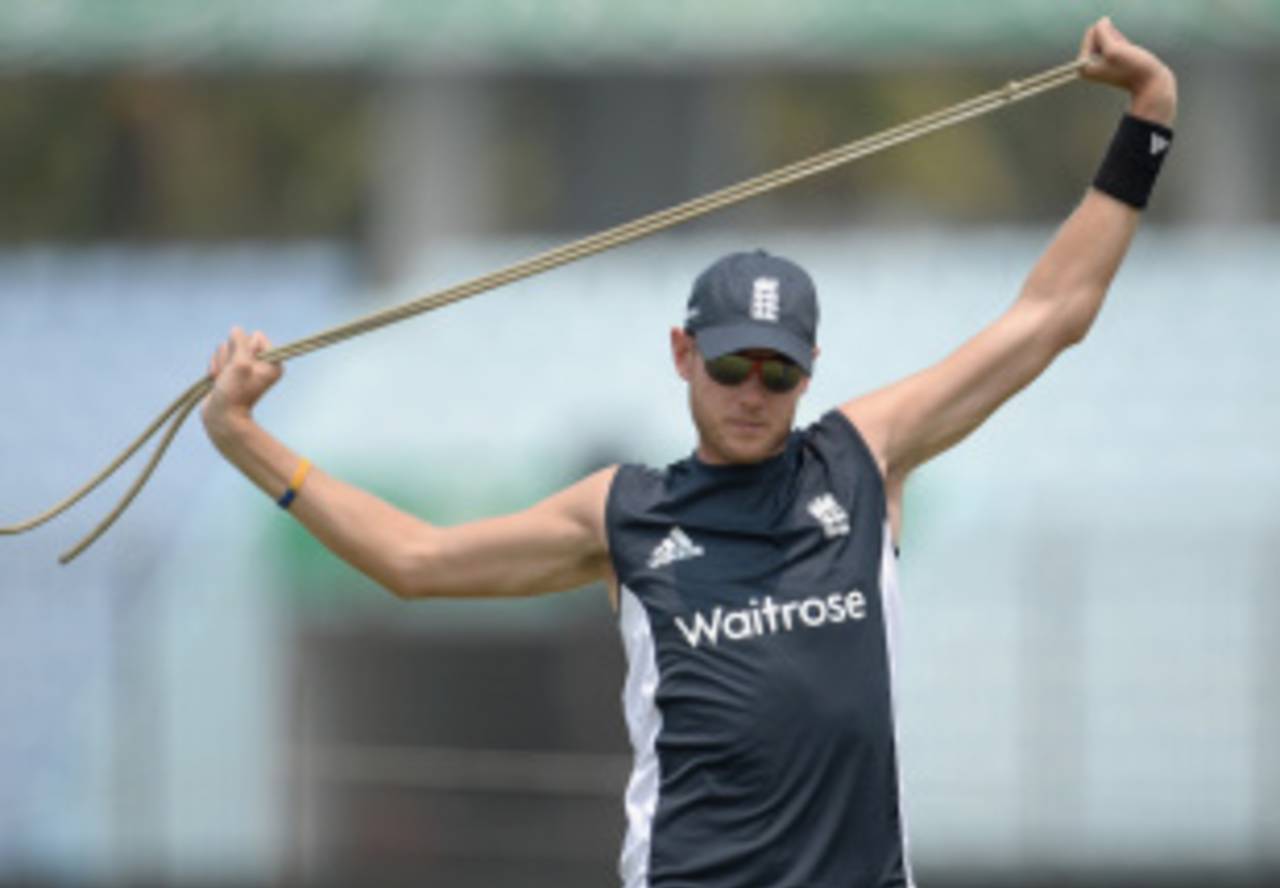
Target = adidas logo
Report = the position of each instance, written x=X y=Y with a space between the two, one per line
x=675 y=547
x=1158 y=143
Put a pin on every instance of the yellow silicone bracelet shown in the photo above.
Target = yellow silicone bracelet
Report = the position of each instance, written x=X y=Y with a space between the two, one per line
x=300 y=475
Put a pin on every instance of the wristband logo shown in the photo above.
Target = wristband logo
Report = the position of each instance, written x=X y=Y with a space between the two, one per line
x=769 y=617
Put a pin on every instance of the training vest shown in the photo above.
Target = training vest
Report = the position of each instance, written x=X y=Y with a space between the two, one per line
x=758 y=608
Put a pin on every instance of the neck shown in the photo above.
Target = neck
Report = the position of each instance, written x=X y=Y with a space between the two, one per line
x=710 y=456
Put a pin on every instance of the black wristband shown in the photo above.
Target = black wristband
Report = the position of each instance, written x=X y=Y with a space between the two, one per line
x=1133 y=161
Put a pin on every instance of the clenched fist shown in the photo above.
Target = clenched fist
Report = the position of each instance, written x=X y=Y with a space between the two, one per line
x=240 y=379
x=1114 y=60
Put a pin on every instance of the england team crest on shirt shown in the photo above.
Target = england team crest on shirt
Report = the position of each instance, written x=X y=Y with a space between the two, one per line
x=830 y=514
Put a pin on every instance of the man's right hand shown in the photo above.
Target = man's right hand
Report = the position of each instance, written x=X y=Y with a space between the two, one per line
x=240 y=379
x=557 y=544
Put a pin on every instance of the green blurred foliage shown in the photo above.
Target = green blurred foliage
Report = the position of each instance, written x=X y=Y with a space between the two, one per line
x=139 y=157
x=276 y=155
x=1001 y=167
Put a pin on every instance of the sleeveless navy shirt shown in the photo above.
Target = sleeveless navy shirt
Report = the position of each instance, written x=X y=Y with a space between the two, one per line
x=758 y=608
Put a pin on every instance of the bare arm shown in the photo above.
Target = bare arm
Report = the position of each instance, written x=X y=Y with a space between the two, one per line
x=555 y=545
x=913 y=420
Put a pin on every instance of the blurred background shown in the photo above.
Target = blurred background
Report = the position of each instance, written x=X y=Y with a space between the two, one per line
x=1090 y=689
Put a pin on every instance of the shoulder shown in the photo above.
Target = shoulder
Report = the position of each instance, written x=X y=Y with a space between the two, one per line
x=844 y=464
x=838 y=433
x=634 y=487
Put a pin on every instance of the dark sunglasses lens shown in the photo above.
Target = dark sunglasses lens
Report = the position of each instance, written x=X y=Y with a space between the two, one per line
x=779 y=376
x=729 y=369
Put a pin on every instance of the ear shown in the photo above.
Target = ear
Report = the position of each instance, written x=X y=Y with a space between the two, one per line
x=683 y=352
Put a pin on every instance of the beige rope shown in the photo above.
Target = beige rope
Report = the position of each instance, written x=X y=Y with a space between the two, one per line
x=177 y=412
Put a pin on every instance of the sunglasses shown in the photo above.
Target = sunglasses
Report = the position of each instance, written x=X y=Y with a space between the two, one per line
x=778 y=374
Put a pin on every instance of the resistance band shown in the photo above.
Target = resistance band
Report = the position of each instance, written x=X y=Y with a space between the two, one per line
x=177 y=412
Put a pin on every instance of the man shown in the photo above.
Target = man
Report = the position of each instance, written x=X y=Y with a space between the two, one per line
x=755 y=579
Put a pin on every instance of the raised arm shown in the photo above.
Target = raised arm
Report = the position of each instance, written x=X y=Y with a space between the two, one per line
x=557 y=544
x=911 y=421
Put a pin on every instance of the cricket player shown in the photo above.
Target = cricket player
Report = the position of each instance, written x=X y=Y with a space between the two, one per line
x=754 y=580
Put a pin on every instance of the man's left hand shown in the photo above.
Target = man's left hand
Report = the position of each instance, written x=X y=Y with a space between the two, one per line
x=1113 y=59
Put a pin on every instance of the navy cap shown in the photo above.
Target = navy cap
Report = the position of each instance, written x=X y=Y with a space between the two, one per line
x=754 y=300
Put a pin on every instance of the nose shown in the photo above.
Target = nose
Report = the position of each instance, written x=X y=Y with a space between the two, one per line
x=752 y=390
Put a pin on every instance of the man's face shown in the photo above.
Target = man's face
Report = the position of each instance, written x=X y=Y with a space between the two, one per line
x=742 y=423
